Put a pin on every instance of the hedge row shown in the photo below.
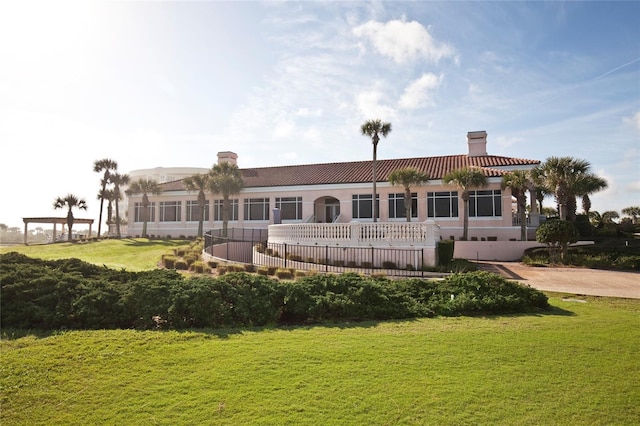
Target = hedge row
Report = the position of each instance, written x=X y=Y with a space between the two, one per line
x=41 y=294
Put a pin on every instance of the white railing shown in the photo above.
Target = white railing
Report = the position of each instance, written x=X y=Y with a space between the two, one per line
x=355 y=234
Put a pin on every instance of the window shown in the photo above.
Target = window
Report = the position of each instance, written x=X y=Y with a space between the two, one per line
x=442 y=204
x=170 y=211
x=362 y=207
x=290 y=208
x=193 y=211
x=256 y=209
x=486 y=203
x=138 y=212
x=396 y=206
x=217 y=210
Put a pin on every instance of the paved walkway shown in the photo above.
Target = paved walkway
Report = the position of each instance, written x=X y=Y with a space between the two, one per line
x=593 y=282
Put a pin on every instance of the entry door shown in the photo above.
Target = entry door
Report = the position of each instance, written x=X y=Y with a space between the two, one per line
x=331 y=212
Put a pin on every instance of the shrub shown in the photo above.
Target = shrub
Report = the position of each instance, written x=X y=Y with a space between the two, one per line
x=263 y=270
x=387 y=264
x=557 y=235
x=221 y=270
x=181 y=265
x=445 y=251
x=169 y=261
x=212 y=264
x=199 y=267
x=310 y=260
x=352 y=264
x=284 y=274
x=339 y=263
x=300 y=274
x=249 y=268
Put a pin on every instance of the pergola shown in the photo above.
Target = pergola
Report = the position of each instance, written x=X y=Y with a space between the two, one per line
x=54 y=221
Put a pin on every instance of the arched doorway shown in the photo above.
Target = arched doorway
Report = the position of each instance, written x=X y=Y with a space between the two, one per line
x=327 y=209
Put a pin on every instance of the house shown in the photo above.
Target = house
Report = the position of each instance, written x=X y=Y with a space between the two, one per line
x=341 y=192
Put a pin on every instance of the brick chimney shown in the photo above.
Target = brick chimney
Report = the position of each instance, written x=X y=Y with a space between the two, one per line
x=228 y=157
x=477 y=142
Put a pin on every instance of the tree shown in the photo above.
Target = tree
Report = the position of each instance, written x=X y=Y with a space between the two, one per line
x=118 y=180
x=465 y=179
x=405 y=178
x=557 y=235
x=200 y=183
x=518 y=182
x=634 y=212
x=106 y=166
x=374 y=128
x=145 y=187
x=608 y=216
x=226 y=179
x=70 y=201
x=566 y=178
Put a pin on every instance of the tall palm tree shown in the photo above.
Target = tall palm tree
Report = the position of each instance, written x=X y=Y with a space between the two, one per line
x=109 y=196
x=106 y=166
x=559 y=176
x=70 y=201
x=226 y=179
x=200 y=183
x=584 y=185
x=405 y=178
x=519 y=182
x=118 y=180
x=465 y=179
x=374 y=128
x=634 y=212
x=144 y=187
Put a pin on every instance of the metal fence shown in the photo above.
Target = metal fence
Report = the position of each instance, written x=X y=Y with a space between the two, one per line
x=239 y=244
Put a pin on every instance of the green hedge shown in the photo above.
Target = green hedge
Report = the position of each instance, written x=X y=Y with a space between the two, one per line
x=73 y=294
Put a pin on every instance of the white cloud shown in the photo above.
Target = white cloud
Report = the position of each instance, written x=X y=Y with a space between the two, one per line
x=370 y=106
x=403 y=41
x=634 y=120
x=419 y=93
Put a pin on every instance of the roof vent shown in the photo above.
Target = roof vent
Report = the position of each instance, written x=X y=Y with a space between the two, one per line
x=227 y=157
x=477 y=142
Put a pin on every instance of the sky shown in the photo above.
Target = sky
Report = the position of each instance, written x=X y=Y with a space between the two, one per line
x=170 y=84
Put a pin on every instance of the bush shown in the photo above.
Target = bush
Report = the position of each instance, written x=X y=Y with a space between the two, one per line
x=181 y=265
x=284 y=274
x=169 y=261
x=39 y=294
x=445 y=251
x=389 y=265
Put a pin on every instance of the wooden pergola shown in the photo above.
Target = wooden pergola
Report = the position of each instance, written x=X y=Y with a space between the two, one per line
x=54 y=221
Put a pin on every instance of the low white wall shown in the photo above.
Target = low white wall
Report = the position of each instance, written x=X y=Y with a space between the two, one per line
x=506 y=251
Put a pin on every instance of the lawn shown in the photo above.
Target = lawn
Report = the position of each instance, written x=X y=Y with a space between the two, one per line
x=578 y=364
x=134 y=254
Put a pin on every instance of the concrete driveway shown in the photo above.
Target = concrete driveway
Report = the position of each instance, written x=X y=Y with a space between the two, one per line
x=593 y=282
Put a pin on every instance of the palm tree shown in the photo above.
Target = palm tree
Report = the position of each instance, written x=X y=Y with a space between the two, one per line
x=405 y=178
x=518 y=181
x=566 y=178
x=106 y=166
x=634 y=212
x=109 y=196
x=583 y=186
x=465 y=179
x=70 y=201
x=608 y=216
x=118 y=180
x=200 y=183
x=226 y=179
x=374 y=128
x=144 y=187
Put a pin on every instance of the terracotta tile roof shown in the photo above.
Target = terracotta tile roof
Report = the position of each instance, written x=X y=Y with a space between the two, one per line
x=361 y=171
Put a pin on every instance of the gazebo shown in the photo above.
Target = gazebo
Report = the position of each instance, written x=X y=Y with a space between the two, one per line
x=54 y=221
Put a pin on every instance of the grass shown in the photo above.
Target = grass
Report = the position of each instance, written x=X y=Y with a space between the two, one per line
x=133 y=254
x=576 y=365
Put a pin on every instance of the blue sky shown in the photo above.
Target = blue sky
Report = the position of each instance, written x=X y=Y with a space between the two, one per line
x=152 y=84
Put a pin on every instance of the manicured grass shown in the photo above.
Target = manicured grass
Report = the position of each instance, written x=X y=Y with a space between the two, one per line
x=577 y=365
x=133 y=254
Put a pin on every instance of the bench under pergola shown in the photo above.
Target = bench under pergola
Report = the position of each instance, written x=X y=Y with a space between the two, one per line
x=54 y=221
